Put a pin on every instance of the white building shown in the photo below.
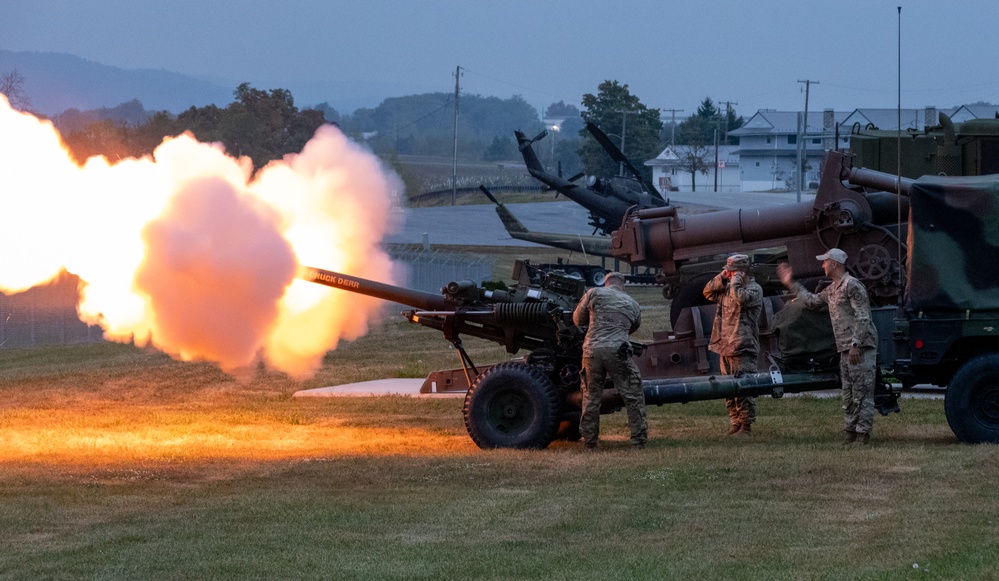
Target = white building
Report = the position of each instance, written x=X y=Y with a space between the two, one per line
x=768 y=148
x=767 y=153
x=669 y=171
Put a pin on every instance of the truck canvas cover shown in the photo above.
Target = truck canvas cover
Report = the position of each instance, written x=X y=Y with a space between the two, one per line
x=953 y=244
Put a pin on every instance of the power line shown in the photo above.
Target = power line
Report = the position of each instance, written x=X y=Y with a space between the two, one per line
x=396 y=129
x=505 y=82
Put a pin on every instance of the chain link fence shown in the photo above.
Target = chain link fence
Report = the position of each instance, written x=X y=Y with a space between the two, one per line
x=46 y=315
x=429 y=270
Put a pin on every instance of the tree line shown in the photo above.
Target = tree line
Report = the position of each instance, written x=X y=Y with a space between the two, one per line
x=266 y=125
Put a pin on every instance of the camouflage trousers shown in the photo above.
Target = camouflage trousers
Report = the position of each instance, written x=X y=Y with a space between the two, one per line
x=602 y=365
x=858 y=390
x=741 y=410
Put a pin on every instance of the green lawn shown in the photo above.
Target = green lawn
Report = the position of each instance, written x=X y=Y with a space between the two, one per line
x=119 y=463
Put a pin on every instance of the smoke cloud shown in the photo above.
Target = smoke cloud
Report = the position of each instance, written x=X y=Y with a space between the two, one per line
x=191 y=252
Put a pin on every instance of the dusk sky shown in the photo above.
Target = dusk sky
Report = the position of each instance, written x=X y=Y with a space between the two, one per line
x=670 y=54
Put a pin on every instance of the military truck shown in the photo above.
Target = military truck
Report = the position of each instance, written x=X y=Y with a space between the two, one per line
x=970 y=148
x=946 y=332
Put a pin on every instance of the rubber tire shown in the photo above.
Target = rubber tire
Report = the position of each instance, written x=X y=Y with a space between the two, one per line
x=596 y=277
x=575 y=272
x=691 y=294
x=512 y=405
x=972 y=400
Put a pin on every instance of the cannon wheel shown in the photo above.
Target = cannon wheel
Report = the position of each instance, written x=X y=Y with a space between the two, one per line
x=596 y=277
x=691 y=294
x=511 y=405
x=972 y=400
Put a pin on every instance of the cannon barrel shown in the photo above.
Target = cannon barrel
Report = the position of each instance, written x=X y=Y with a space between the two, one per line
x=878 y=180
x=413 y=298
x=667 y=390
x=867 y=225
x=655 y=237
x=683 y=390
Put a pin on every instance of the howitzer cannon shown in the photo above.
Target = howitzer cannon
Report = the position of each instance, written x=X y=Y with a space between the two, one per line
x=868 y=225
x=937 y=234
x=529 y=403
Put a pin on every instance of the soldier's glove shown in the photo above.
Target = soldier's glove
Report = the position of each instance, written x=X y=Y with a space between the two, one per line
x=624 y=351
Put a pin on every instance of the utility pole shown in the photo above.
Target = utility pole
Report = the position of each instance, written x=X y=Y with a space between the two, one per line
x=798 y=159
x=672 y=125
x=728 y=108
x=804 y=133
x=454 y=164
x=716 y=157
x=717 y=124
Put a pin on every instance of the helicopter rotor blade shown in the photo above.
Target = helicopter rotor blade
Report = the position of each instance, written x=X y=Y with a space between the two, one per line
x=488 y=194
x=619 y=157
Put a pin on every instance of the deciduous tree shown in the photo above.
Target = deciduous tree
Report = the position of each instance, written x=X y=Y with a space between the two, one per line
x=628 y=123
x=12 y=85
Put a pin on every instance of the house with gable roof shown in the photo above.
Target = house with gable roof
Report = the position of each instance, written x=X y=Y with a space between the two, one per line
x=669 y=173
x=768 y=145
x=888 y=119
x=768 y=148
x=970 y=112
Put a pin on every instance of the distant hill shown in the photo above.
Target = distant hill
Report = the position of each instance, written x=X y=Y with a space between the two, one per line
x=55 y=82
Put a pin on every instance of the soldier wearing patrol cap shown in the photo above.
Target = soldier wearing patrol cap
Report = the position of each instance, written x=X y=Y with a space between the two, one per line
x=610 y=315
x=735 y=334
x=856 y=339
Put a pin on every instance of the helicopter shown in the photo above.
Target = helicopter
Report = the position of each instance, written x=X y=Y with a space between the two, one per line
x=587 y=245
x=607 y=199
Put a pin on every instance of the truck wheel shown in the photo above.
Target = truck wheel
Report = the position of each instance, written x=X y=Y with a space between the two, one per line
x=972 y=400
x=596 y=277
x=511 y=405
x=691 y=294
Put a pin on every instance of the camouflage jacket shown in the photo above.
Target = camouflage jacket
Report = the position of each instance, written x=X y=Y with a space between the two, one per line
x=736 y=329
x=611 y=316
x=849 y=310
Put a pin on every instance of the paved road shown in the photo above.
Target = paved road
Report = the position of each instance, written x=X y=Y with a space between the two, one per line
x=479 y=225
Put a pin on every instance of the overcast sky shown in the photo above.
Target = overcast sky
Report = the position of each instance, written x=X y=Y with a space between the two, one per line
x=671 y=54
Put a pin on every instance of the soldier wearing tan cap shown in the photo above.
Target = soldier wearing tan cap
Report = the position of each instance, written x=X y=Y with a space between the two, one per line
x=735 y=335
x=856 y=339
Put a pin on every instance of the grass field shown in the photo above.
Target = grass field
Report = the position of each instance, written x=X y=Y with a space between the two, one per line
x=117 y=462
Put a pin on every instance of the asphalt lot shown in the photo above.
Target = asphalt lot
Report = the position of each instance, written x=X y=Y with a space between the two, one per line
x=478 y=225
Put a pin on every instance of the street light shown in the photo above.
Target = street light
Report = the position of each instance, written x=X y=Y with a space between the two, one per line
x=555 y=130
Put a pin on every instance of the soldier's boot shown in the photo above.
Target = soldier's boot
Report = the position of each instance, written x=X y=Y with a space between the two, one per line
x=850 y=438
x=864 y=438
x=746 y=430
x=734 y=429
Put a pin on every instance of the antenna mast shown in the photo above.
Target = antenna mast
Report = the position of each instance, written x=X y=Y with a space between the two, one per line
x=454 y=161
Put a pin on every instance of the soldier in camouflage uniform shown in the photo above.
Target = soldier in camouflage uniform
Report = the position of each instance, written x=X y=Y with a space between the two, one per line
x=611 y=315
x=856 y=339
x=735 y=335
